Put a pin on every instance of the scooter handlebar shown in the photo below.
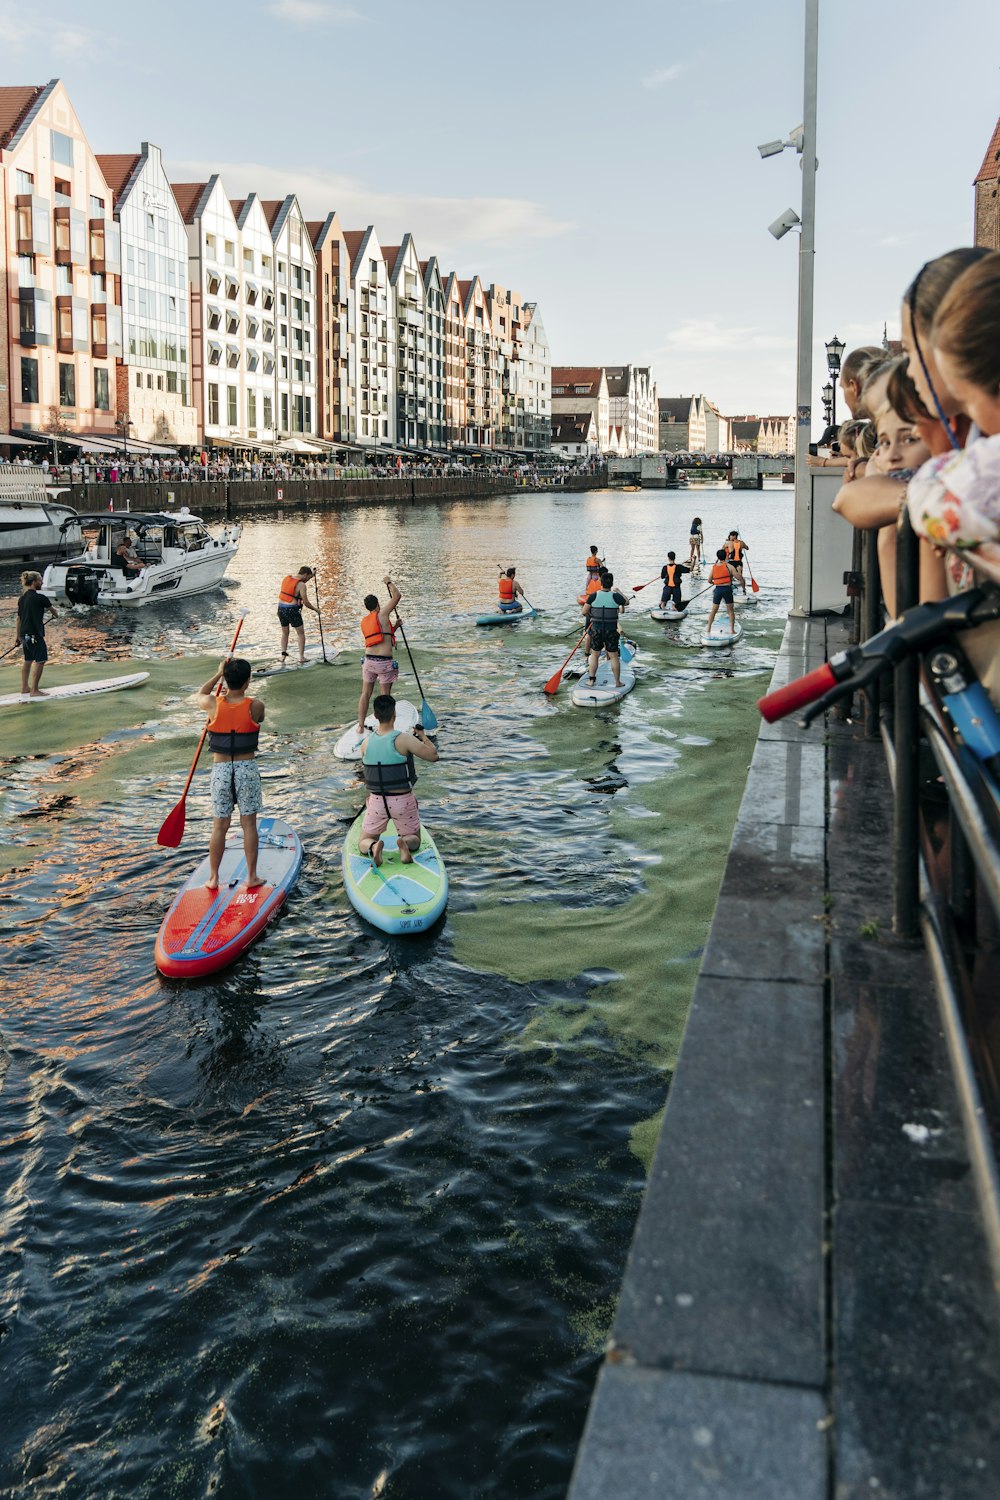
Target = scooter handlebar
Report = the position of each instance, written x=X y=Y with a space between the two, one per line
x=785 y=700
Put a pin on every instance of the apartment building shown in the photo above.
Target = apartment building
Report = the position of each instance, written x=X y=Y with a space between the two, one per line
x=578 y=388
x=633 y=404
x=296 y=317
x=535 y=361
x=575 y=435
x=406 y=285
x=525 y=371
x=373 y=368
x=436 y=367
x=454 y=363
x=334 y=330
x=482 y=373
x=60 y=310
x=154 y=381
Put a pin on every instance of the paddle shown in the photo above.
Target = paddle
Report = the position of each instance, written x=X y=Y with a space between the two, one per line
x=637 y=588
x=9 y=650
x=172 y=831
x=753 y=582
x=552 y=686
x=428 y=717
x=319 y=617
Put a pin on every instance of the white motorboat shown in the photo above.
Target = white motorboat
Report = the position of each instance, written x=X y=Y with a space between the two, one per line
x=34 y=524
x=177 y=556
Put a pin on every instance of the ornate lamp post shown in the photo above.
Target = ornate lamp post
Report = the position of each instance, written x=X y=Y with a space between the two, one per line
x=834 y=354
x=828 y=398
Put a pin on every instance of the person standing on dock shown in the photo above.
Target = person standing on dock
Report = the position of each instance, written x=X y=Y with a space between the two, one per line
x=387 y=759
x=697 y=541
x=509 y=591
x=601 y=612
x=734 y=549
x=672 y=572
x=722 y=575
x=233 y=733
x=32 y=608
x=379 y=665
x=291 y=598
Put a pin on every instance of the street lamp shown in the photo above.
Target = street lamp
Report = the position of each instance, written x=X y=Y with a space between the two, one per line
x=828 y=398
x=123 y=424
x=834 y=354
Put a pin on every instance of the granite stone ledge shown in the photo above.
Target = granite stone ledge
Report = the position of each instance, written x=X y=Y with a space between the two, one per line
x=725 y=1275
x=655 y=1435
x=786 y=784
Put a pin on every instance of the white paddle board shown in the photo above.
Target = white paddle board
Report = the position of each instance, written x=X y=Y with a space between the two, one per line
x=593 y=694
x=291 y=663
x=721 y=635
x=669 y=614
x=348 y=747
x=71 y=690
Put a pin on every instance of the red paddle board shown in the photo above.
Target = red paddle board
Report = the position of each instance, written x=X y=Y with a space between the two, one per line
x=207 y=930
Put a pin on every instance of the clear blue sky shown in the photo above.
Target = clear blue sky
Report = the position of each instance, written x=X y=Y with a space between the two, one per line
x=601 y=158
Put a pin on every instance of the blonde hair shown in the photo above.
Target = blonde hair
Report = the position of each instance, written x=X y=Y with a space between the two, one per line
x=858 y=432
x=28 y=578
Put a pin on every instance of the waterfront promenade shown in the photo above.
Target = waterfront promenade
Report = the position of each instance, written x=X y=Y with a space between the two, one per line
x=808 y=1310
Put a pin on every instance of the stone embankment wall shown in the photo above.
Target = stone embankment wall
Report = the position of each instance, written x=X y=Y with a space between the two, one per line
x=242 y=498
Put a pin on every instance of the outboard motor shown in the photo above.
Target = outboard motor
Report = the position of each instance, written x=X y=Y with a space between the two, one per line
x=82 y=584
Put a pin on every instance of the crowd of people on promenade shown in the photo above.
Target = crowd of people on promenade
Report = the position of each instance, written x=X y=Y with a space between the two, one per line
x=924 y=434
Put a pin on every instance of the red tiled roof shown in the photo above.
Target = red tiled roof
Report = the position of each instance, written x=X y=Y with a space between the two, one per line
x=117 y=170
x=389 y=254
x=237 y=205
x=990 y=169
x=354 y=239
x=271 y=207
x=15 y=101
x=576 y=375
x=315 y=228
x=187 y=195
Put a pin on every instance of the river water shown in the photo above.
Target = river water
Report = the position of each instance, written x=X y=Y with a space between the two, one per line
x=350 y=1219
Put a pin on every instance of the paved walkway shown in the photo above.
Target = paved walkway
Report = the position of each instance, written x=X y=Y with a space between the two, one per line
x=807 y=1311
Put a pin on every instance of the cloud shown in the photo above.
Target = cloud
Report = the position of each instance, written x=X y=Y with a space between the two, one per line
x=441 y=226
x=312 y=12
x=707 y=336
x=42 y=34
x=660 y=76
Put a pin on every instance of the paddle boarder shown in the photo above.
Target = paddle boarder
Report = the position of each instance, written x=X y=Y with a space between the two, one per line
x=697 y=540
x=722 y=575
x=593 y=565
x=387 y=759
x=672 y=572
x=601 y=611
x=291 y=597
x=233 y=733
x=735 y=549
x=510 y=591
x=32 y=607
x=379 y=635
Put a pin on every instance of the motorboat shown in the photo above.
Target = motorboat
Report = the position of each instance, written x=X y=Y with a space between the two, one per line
x=177 y=554
x=34 y=523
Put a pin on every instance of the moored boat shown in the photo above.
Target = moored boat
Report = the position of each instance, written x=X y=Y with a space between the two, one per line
x=178 y=556
x=34 y=523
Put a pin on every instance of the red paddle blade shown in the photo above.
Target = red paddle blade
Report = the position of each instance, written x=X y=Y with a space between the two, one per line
x=172 y=831
x=552 y=686
x=755 y=585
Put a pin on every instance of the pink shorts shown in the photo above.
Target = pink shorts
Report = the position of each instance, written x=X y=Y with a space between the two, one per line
x=403 y=810
x=379 y=669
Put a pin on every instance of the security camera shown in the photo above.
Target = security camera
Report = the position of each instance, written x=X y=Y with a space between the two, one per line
x=771 y=148
x=797 y=138
x=781 y=226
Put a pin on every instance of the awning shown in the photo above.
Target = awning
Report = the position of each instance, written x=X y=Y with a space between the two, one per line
x=8 y=439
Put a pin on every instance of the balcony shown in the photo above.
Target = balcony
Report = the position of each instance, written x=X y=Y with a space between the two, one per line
x=33 y=233
x=36 y=321
x=105 y=248
x=71 y=237
x=72 y=330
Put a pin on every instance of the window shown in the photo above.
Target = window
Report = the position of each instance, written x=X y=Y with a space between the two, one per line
x=268 y=370
x=214 y=352
x=230 y=253
x=149 y=382
x=213 y=405
x=214 y=317
x=214 y=283
x=67 y=384
x=251 y=408
x=297 y=308
x=172 y=382
x=282 y=273
x=267 y=411
x=96 y=207
x=284 y=411
x=232 y=357
x=24 y=182
x=61 y=147
x=26 y=270
x=138 y=379
x=29 y=381
x=210 y=246
x=307 y=419
x=284 y=367
x=231 y=395
x=232 y=320
x=297 y=368
x=248 y=261
x=102 y=400
x=266 y=263
x=159 y=382
x=307 y=278
x=64 y=281
x=253 y=359
x=251 y=292
x=150 y=226
x=283 y=304
x=297 y=277
x=232 y=288
x=253 y=328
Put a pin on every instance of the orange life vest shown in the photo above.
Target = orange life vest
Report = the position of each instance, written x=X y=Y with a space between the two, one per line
x=233 y=729
x=288 y=586
x=671 y=575
x=593 y=585
x=506 y=590
x=735 y=551
x=593 y=565
x=372 y=630
x=721 y=576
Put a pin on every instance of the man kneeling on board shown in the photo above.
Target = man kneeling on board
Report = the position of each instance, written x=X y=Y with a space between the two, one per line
x=233 y=733
x=601 y=611
x=509 y=591
x=672 y=572
x=387 y=759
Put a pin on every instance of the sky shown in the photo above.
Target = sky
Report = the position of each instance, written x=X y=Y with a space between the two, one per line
x=601 y=159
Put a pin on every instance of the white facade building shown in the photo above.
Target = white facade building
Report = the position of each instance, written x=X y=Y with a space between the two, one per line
x=373 y=355
x=296 y=291
x=535 y=360
x=406 y=285
x=435 y=329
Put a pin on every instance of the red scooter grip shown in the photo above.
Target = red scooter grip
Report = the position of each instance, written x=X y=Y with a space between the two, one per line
x=797 y=694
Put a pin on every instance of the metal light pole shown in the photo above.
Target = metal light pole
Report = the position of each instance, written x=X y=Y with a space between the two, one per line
x=828 y=403
x=834 y=352
x=802 y=573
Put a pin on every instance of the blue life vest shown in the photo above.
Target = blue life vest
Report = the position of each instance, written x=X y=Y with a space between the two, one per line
x=387 y=771
x=603 y=608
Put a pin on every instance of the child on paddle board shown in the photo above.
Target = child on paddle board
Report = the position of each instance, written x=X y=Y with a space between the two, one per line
x=722 y=575
x=601 y=611
x=379 y=665
x=232 y=738
x=672 y=573
x=509 y=592
x=593 y=565
x=291 y=598
x=387 y=760
x=32 y=608
x=735 y=549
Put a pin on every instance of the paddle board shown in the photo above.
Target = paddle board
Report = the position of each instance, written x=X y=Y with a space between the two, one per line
x=508 y=617
x=721 y=635
x=207 y=930
x=314 y=656
x=348 y=747
x=669 y=614
x=77 y=690
x=591 y=695
x=742 y=600
x=395 y=897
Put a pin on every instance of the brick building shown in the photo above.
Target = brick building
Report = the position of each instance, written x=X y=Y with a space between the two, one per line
x=987 y=223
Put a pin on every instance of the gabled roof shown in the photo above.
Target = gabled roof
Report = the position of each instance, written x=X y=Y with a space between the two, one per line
x=677 y=408
x=618 y=378
x=356 y=239
x=572 y=426
x=990 y=169
x=117 y=170
x=577 y=375
x=391 y=254
x=747 y=429
x=15 y=102
x=189 y=196
x=237 y=205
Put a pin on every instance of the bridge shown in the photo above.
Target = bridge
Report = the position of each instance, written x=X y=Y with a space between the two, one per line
x=744 y=471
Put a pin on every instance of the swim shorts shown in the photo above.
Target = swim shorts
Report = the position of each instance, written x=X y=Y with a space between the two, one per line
x=290 y=614
x=381 y=669
x=722 y=594
x=34 y=648
x=236 y=783
x=403 y=810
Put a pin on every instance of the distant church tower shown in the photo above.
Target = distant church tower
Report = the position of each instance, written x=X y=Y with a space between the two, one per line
x=987 y=231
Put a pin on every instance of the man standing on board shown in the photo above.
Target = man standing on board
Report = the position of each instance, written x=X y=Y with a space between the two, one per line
x=31 y=611
x=291 y=598
x=379 y=665
x=601 y=612
x=232 y=738
x=722 y=576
